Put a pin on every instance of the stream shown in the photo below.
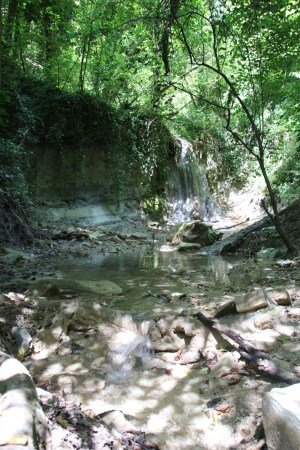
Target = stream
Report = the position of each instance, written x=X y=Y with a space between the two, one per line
x=169 y=405
x=147 y=277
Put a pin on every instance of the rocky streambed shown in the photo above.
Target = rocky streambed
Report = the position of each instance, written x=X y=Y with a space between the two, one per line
x=106 y=342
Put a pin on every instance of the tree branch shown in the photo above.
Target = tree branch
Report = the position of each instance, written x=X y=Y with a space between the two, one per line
x=257 y=358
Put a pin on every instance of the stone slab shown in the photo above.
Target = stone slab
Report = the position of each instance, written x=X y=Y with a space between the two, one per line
x=251 y=301
x=281 y=418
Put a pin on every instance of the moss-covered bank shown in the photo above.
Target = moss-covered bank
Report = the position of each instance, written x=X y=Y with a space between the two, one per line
x=58 y=146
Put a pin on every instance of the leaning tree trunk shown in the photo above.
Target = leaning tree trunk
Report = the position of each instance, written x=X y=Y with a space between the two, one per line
x=255 y=357
x=275 y=219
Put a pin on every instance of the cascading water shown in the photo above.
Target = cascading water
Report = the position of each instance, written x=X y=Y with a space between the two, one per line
x=188 y=190
x=129 y=348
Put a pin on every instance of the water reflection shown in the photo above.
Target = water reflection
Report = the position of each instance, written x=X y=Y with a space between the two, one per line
x=147 y=277
x=220 y=268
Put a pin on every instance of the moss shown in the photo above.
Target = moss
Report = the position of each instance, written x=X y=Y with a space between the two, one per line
x=70 y=143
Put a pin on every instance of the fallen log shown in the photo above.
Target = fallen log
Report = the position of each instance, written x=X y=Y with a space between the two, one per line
x=256 y=358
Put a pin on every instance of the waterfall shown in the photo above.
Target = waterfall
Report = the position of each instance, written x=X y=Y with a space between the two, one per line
x=188 y=194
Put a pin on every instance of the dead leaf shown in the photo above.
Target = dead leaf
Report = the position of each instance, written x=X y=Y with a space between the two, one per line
x=234 y=380
x=222 y=409
x=246 y=431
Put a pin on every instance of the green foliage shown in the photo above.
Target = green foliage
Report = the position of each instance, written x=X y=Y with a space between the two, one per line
x=286 y=177
x=116 y=73
x=12 y=181
x=37 y=114
x=154 y=207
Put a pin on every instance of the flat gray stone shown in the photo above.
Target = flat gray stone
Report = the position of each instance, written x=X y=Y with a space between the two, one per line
x=251 y=301
x=268 y=253
x=281 y=418
x=102 y=287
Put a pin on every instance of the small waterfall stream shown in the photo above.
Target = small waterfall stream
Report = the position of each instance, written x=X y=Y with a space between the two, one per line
x=188 y=191
x=129 y=348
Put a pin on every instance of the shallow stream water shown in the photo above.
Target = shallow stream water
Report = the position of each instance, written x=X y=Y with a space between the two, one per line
x=147 y=277
x=169 y=406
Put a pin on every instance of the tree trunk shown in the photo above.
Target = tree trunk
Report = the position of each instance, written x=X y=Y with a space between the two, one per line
x=50 y=47
x=81 y=71
x=11 y=16
x=275 y=216
x=255 y=357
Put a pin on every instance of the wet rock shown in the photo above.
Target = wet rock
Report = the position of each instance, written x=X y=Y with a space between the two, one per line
x=177 y=296
x=17 y=254
x=70 y=234
x=281 y=418
x=103 y=287
x=194 y=232
x=230 y=247
x=136 y=236
x=185 y=246
x=268 y=253
x=251 y=301
x=168 y=248
x=52 y=290
x=283 y=263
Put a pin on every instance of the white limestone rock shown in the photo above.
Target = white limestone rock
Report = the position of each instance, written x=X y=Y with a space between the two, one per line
x=281 y=418
x=22 y=421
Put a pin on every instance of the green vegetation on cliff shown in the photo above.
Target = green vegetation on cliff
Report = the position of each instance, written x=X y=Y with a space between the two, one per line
x=224 y=74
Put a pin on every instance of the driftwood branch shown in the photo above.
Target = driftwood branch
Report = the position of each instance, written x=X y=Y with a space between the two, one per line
x=256 y=358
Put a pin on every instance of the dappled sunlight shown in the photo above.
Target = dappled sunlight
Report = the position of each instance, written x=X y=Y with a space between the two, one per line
x=158 y=364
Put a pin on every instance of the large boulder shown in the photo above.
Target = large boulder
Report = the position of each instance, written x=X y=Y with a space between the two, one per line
x=281 y=418
x=22 y=422
x=194 y=232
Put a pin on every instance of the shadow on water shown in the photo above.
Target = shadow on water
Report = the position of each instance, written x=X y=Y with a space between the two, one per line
x=147 y=276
